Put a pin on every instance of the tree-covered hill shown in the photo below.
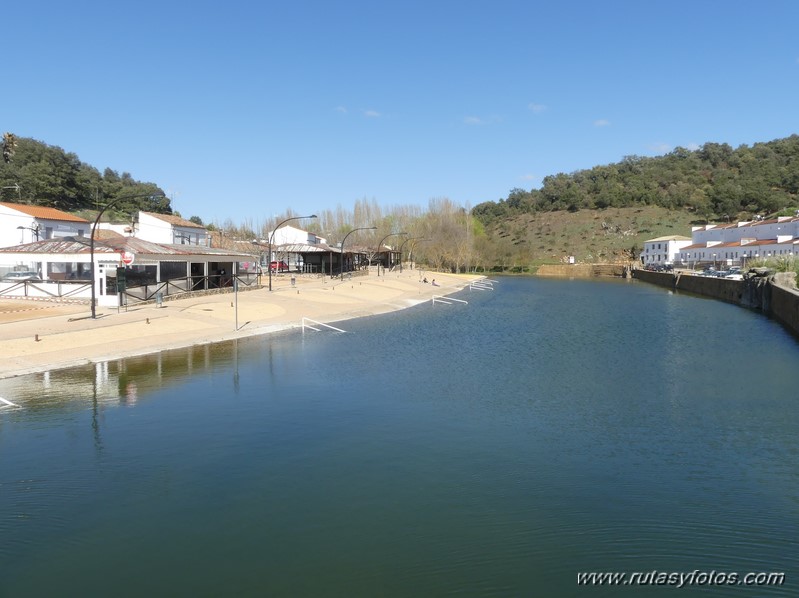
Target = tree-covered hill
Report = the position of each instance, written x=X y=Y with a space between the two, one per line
x=713 y=182
x=35 y=173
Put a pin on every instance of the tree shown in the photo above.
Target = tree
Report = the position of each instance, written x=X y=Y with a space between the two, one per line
x=49 y=176
x=9 y=146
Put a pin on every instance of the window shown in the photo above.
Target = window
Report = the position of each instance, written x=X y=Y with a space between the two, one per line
x=172 y=270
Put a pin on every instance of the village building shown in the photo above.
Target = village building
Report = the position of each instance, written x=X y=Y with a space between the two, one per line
x=149 y=270
x=161 y=228
x=736 y=244
x=22 y=223
x=663 y=251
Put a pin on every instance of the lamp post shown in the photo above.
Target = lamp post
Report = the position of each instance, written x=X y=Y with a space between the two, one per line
x=342 y=245
x=379 y=245
x=272 y=238
x=34 y=229
x=91 y=238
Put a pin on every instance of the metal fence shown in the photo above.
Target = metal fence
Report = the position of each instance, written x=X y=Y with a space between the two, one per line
x=179 y=286
x=51 y=289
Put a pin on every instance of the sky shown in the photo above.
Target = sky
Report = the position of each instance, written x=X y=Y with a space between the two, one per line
x=241 y=110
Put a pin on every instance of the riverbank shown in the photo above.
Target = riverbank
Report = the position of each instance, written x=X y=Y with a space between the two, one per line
x=34 y=341
x=765 y=294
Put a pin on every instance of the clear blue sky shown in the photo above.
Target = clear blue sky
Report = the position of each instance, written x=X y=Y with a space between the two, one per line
x=242 y=109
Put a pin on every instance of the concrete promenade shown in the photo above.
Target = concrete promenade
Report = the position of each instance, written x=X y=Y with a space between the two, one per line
x=36 y=336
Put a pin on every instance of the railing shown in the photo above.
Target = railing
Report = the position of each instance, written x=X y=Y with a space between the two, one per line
x=447 y=300
x=304 y=325
x=177 y=286
x=49 y=289
x=484 y=284
x=4 y=404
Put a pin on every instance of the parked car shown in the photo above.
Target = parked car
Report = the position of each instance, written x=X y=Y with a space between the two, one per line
x=22 y=275
x=280 y=266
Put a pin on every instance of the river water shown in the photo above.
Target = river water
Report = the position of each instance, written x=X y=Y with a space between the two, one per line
x=495 y=448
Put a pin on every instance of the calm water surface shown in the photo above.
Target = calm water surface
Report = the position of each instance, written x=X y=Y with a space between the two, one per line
x=490 y=449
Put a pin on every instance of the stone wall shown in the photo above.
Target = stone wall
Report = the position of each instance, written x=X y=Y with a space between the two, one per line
x=581 y=270
x=773 y=297
x=785 y=307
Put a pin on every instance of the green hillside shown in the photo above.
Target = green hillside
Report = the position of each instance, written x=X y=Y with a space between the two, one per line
x=35 y=173
x=606 y=212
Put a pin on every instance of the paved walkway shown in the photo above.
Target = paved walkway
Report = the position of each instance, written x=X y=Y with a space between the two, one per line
x=37 y=336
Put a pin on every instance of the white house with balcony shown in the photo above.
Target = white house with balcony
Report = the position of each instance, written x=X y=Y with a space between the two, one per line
x=23 y=223
x=663 y=250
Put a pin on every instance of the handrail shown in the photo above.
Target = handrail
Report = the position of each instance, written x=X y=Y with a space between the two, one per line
x=447 y=300
x=304 y=325
x=481 y=285
x=7 y=404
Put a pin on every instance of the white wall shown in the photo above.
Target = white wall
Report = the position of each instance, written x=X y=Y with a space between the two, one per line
x=289 y=234
x=10 y=236
x=662 y=252
x=155 y=230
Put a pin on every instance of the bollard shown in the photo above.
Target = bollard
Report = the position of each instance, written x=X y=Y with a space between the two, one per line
x=148 y=320
x=36 y=338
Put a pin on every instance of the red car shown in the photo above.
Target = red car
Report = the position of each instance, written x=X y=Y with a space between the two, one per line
x=280 y=266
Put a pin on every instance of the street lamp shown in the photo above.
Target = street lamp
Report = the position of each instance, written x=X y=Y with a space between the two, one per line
x=34 y=229
x=403 y=245
x=341 y=260
x=91 y=238
x=272 y=238
x=379 y=245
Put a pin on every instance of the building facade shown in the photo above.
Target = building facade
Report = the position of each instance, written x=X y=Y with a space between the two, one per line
x=22 y=223
x=663 y=250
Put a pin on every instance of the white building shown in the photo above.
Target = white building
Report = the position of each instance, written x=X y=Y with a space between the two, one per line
x=759 y=230
x=22 y=223
x=168 y=229
x=736 y=244
x=663 y=250
x=65 y=268
x=292 y=246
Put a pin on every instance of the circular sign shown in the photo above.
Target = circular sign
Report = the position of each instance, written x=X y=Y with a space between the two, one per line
x=127 y=258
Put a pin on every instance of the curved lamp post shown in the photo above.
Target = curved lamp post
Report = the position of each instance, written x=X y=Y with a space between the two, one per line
x=379 y=245
x=403 y=245
x=34 y=229
x=342 y=245
x=91 y=238
x=272 y=238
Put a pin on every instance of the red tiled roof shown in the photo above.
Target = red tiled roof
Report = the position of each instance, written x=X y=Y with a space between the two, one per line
x=42 y=212
x=115 y=245
x=734 y=244
x=175 y=220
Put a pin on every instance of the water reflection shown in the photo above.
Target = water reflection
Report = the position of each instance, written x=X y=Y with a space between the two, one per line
x=496 y=448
